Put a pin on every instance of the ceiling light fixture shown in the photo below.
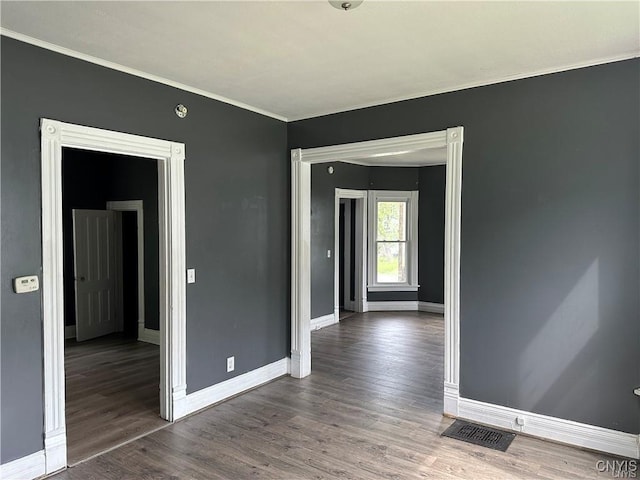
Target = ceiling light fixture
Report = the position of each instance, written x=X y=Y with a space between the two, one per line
x=345 y=5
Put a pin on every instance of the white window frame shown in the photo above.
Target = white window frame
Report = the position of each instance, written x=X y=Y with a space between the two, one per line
x=411 y=198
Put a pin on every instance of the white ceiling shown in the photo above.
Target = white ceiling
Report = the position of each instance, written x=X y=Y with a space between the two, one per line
x=299 y=59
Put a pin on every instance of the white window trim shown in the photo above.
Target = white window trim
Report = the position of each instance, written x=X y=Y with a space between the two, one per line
x=411 y=197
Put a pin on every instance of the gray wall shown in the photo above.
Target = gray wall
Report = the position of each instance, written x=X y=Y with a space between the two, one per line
x=90 y=180
x=323 y=187
x=550 y=269
x=237 y=220
x=431 y=234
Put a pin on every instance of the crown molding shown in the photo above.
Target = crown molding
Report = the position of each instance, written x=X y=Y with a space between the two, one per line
x=132 y=71
x=427 y=93
x=482 y=83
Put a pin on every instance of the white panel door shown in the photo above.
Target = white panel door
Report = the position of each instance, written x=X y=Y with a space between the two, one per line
x=94 y=273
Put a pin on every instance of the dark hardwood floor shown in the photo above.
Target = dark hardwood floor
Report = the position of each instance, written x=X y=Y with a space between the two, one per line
x=371 y=409
x=112 y=394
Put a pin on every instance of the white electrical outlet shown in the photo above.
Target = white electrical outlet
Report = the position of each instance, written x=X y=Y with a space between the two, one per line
x=328 y=253
x=231 y=364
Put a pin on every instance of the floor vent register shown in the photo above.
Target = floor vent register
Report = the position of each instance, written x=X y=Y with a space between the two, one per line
x=479 y=435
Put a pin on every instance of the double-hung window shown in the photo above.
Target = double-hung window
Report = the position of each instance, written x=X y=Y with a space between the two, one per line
x=393 y=240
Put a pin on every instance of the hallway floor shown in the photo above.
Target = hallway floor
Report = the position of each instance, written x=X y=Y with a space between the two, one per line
x=112 y=394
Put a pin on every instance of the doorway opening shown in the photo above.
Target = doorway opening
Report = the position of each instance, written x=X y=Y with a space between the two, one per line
x=112 y=355
x=169 y=158
x=411 y=150
x=350 y=246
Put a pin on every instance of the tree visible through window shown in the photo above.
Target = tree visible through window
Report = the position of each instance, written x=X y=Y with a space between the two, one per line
x=391 y=242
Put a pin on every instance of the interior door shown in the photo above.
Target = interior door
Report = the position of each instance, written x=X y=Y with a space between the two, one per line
x=94 y=273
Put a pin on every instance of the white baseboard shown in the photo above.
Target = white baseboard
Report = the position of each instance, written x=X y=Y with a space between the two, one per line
x=324 y=321
x=144 y=334
x=221 y=391
x=25 y=468
x=431 y=307
x=551 y=428
x=394 y=306
x=149 y=336
x=69 y=332
x=451 y=399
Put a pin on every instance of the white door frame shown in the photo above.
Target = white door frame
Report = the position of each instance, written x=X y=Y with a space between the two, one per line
x=360 y=294
x=171 y=208
x=376 y=152
x=144 y=334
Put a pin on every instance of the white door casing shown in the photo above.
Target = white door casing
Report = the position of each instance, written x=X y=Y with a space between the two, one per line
x=137 y=206
x=94 y=268
x=55 y=136
x=384 y=152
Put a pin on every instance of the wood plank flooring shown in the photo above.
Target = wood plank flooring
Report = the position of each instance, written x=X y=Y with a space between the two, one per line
x=112 y=394
x=371 y=409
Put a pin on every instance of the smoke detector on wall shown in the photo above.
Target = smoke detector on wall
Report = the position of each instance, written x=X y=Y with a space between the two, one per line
x=345 y=5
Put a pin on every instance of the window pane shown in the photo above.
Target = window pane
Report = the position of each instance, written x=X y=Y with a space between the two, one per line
x=392 y=221
x=392 y=262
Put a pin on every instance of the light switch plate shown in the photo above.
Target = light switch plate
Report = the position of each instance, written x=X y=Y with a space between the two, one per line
x=26 y=284
x=231 y=364
x=191 y=275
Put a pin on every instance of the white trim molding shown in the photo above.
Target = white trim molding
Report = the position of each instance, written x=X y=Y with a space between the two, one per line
x=136 y=206
x=380 y=153
x=431 y=307
x=453 y=208
x=149 y=335
x=69 y=332
x=393 y=306
x=55 y=136
x=221 y=391
x=324 y=321
x=25 y=468
x=393 y=288
x=410 y=199
x=551 y=428
x=300 y=266
x=451 y=399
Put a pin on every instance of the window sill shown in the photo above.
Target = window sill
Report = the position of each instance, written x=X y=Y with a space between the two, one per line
x=392 y=288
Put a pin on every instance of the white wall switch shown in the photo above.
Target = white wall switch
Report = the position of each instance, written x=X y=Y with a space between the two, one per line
x=26 y=284
x=191 y=275
x=328 y=253
x=231 y=364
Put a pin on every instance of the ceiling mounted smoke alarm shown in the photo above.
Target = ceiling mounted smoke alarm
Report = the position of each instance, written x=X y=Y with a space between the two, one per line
x=345 y=5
